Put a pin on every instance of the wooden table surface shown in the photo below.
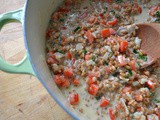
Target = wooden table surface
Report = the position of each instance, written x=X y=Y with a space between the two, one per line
x=22 y=97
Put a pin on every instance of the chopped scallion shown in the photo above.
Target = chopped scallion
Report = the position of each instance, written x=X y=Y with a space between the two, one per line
x=142 y=57
x=84 y=51
x=135 y=51
x=130 y=72
x=117 y=16
x=157 y=101
x=119 y=1
x=112 y=11
x=77 y=28
x=76 y=54
x=157 y=20
x=98 y=97
x=105 y=63
x=61 y=20
x=115 y=74
x=59 y=40
x=158 y=13
x=94 y=58
x=60 y=51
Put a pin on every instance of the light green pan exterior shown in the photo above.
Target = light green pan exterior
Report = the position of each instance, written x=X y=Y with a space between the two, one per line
x=24 y=66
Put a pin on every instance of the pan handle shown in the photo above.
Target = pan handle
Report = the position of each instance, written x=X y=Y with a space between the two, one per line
x=24 y=66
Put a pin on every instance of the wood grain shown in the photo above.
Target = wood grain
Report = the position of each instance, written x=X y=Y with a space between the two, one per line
x=22 y=97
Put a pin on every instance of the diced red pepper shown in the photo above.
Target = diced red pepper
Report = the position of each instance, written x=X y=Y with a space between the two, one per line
x=93 y=74
x=104 y=102
x=76 y=82
x=69 y=55
x=133 y=65
x=108 y=69
x=119 y=39
x=93 y=89
x=153 y=10
x=150 y=84
x=68 y=3
x=68 y=72
x=101 y=16
x=58 y=79
x=125 y=5
x=137 y=8
x=63 y=39
x=138 y=97
x=112 y=116
x=74 y=98
x=112 y=31
x=103 y=22
x=56 y=16
x=123 y=46
x=73 y=60
x=159 y=116
x=91 y=19
x=105 y=33
x=50 y=60
x=54 y=58
x=63 y=10
x=61 y=81
x=90 y=37
x=87 y=57
x=91 y=81
x=49 y=33
x=138 y=109
x=65 y=83
x=127 y=89
x=51 y=53
x=63 y=28
x=119 y=106
x=113 y=23
x=109 y=1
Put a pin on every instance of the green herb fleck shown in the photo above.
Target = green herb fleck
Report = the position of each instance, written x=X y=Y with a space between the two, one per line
x=118 y=16
x=142 y=57
x=158 y=13
x=115 y=74
x=60 y=51
x=113 y=12
x=130 y=72
x=76 y=54
x=59 y=40
x=106 y=8
x=61 y=19
x=98 y=97
x=157 y=20
x=119 y=1
x=135 y=51
x=105 y=63
x=94 y=58
x=152 y=94
x=84 y=51
x=157 y=101
x=75 y=30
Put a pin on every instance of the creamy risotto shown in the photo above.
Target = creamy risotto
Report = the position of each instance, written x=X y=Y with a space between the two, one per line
x=95 y=58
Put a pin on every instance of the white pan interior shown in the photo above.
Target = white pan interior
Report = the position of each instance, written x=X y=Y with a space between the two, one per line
x=36 y=21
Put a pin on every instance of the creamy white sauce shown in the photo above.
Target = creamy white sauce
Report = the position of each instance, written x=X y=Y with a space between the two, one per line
x=91 y=106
